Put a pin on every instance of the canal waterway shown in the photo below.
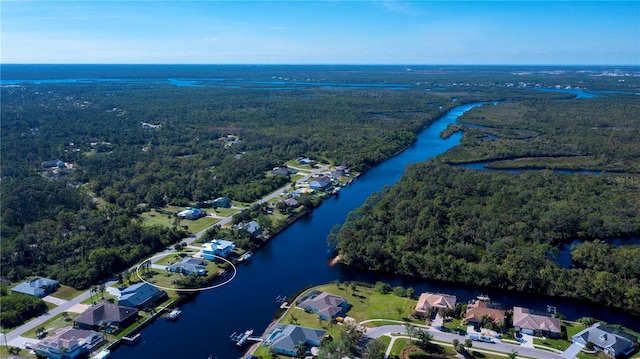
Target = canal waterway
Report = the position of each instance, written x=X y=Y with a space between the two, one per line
x=297 y=258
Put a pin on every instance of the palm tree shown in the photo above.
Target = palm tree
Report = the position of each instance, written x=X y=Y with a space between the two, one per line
x=513 y=354
x=102 y=288
x=410 y=330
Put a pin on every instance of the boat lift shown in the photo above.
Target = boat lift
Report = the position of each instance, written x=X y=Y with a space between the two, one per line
x=242 y=338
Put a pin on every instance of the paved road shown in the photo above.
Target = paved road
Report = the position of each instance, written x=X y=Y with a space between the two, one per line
x=376 y=332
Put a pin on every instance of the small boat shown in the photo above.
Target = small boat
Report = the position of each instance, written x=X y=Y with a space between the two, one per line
x=336 y=191
x=483 y=297
x=174 y=314
x=245 y=257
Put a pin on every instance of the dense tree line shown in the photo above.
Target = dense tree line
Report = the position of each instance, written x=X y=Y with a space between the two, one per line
x=16 y=308
x=79 y=225
x=499 y=229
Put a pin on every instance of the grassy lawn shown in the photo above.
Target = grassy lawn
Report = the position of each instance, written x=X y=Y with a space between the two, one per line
x=66 y=293
x=365 y=304
x=166 y=218
x=398 y=345
x=223 y=212
x=4 y=353
x=561 y=344
x=454 y=323
x=100 y=297
x=52 y=324
x=175 y=257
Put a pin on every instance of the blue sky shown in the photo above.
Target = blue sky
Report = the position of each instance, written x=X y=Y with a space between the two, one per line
x=321 y=32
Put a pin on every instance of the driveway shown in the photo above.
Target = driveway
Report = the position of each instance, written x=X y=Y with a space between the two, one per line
x=572 y=351
x=54 y=300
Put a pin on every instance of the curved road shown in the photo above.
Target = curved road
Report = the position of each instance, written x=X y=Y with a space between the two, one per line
x=376 y=332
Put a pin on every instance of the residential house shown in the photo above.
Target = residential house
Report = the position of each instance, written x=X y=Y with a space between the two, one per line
x=327 y=306
x=339 y=171
x=292 y=203
x=106 y=315
x=217 y=247
x=53 y=164
x=252 y=227
x=524 y=320
x=222 y=202
x=285 y=340
x=434 y=300
x=37 y=287
x=189 y=266
x=304 y=161
x=479 y=312
x=300 y=191
x=140 y=295
x=283 y=171
x=192 y=213
x=320 y=183
x=606 y=339
x=68 y=343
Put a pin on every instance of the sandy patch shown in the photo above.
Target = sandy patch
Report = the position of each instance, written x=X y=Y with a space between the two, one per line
x=78 y=308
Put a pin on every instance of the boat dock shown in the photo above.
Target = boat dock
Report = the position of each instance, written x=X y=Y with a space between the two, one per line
x=242 y=338
x=132 y=340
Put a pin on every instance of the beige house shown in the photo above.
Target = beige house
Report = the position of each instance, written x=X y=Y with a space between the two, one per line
x=479 y=311
x=435 y=300
x=528 y=323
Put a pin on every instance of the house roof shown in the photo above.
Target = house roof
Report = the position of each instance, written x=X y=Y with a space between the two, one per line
x=292 y=335
x=438 y=300
x=140 y=294
x=478 y=309
x=189 y=265
x=291 y=202
x=34 y=286
x=523 y=318
x=106 y=313
x=65 y=338
x=217 y=244
x=605 y=337
x=251 y=227
x=325 y=303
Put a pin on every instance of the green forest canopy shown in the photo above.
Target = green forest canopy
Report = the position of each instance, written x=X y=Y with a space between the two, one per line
x=499 y=229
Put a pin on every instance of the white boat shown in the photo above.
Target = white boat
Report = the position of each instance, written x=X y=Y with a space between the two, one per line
x=245 y=257
x=174 y=314
x=483 y=297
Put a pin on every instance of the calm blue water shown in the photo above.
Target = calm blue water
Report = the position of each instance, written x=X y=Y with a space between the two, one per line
x=297 y=258
x=563 y=258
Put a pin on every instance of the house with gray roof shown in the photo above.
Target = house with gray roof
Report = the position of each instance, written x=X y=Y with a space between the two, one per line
x=217 y=248
x=37 y=287
x=285 y=340
x=140 y=295
x=252 y=227
x=106 y=315
x=189 y=266
x=606 y=339
x=320 y=183
x=326 y=305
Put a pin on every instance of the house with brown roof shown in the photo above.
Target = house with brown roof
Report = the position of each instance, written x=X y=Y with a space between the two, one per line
x=106 y=315
x=524 y=320
x=434 y=300
x=479 y=313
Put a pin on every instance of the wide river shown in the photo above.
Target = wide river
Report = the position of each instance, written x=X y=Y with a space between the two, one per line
x=297 y=257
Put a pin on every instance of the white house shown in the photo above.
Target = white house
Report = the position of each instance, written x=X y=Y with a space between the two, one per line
x=217 y=247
